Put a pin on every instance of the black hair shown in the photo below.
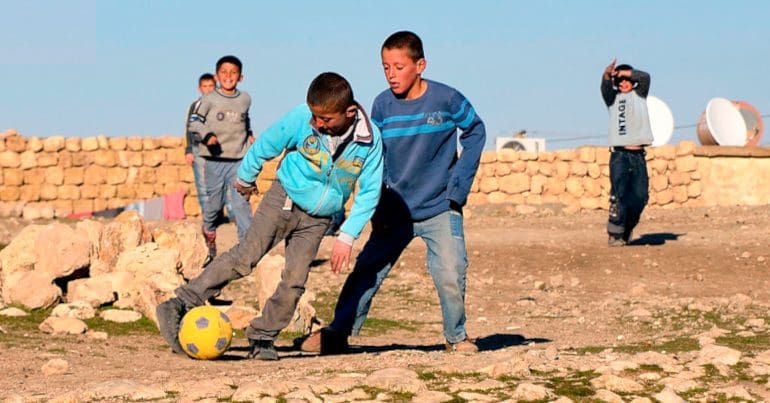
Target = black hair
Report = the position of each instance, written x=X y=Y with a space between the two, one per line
x=330 y=91
x=406 y=40
x=205 y=77
x=623 y=67
x=230 y=59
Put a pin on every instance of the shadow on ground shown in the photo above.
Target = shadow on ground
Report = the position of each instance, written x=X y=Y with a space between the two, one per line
x=658 y=238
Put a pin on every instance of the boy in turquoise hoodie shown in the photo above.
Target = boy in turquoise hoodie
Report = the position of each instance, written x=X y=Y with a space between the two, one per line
x=330 y=145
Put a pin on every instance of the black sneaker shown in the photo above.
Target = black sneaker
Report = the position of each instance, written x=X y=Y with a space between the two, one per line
x=170 y=314
x=262 y=350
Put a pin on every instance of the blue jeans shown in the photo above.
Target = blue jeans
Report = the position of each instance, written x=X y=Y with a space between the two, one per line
x=220 y=178
x=198 y=167
x=629 y=194
x=447 y=264
x=272 y=223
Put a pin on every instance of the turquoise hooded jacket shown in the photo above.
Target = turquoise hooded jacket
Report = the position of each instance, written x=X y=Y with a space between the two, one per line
x=317 y=184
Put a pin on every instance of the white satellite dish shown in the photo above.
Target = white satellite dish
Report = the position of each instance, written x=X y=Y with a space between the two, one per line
x=661 y=121
x=722 y=124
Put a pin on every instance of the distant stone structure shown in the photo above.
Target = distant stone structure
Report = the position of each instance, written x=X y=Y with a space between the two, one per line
x=56 y=176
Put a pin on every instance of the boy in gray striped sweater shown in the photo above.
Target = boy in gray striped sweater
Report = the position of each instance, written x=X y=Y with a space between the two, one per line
x=220 y=123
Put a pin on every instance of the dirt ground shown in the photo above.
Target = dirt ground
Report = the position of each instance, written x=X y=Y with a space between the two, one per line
x=535 y=280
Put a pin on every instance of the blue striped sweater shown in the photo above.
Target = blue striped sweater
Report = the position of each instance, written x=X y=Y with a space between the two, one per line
x=421 y=163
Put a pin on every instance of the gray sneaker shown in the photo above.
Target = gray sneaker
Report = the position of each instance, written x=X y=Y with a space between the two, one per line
x=614 y=241
x=170 y=314
x=262 y=350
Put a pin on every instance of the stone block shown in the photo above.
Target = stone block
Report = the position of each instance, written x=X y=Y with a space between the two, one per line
x=89 y=191
x=664 y=197
x=146 y=175
x=107 y=191
x=153 y=158
x=103 y=142
x=566 y=155
x=69 y=192
x=546 y=168
x=603 y=156
x=577 y=168
x=16 y=144
x=498 y=198
x=116 y=175
x=562 y=169
x=9 y=193
x=149 y=144
x=666 y=152
x=34 y=176
x=593 y=187
x=489 y=184
x=100 y=204
x=533 y=167
x=65 y=159
x=594 y=170
x=54 y=175
x=72 y=144
x=34 y=144
x=694 y=189
x=659 y=165
x=47 y=159
x=680 y=194
x=29 y=193
x=546 y=156
x=186 y=175
x=687 y=163
x=145 y=191
x=13 y=176
x=574 y=186
x=82 y=159
x=586 y=154
x=502 y=168
x=555 y=186
x=134 y=143
x=82 y=205
x=27 y=159
x=106 y=158
x=191 y=206
x=659 y=182
x=49 y=192
x=117 y=143
x=677 y=178
x=95 y=175
x=74 y=175
x=170 y=142
x=475 y=184
x=507 y=155
x=533 y=200
x=487 y=169
x=126 y=192
x=89 y=144
x=527 y=155
x=175 y=156
x=519 y=166
x=686 y=148
x=61 y=208
x=538 y=184
x=115 y=203
x=10 y=159
x=53 y=144
x=515 y=183
x=167 y=174
x=590 y=203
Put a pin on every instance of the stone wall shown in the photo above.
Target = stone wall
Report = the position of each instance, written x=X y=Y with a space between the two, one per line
x=55 y=176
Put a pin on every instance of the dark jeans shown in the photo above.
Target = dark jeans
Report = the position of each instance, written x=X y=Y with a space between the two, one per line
x=629 y=194
x=270 y=225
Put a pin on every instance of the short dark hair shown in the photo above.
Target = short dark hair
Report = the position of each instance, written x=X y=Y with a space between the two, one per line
x=330 y=91
x=624 y=67
x=230 y=59
x=205 y=77
x=406 y=40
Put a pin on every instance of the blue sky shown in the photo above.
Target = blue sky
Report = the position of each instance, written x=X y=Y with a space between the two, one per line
x=124 y=68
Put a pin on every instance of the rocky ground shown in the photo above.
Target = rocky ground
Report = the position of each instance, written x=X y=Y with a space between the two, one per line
x=680 y=315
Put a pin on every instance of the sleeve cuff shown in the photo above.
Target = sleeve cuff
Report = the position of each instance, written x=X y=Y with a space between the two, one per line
x=346 y=238
x=244 y=183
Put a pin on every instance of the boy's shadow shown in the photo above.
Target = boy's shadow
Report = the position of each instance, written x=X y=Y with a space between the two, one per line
x=487 y=343
x=658 y=238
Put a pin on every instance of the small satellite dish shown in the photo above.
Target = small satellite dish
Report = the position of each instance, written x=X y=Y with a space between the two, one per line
x=721 y=124
x=754 y=125
x=661 y=121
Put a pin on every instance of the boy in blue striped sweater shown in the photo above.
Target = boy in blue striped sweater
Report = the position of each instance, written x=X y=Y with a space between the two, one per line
x=425 y=186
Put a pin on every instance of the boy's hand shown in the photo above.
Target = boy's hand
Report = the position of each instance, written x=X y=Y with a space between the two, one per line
x=340 y=256
x=189 y=158
x=212 y=140
x=250 y=139
x=245 y=191
x=610 y=70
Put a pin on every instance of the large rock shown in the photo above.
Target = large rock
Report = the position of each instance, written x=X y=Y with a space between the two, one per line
x=268 y=272
x=61 y=250
x=92 y=230
x=156 y=274
x=32 y=289
x=94 y=291
x=77 y=310
x=187 y=239
x=19 y=255
x=55 y=325
x=125 y=233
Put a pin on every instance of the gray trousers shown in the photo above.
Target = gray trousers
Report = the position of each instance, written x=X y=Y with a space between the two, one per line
x=271 y=224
